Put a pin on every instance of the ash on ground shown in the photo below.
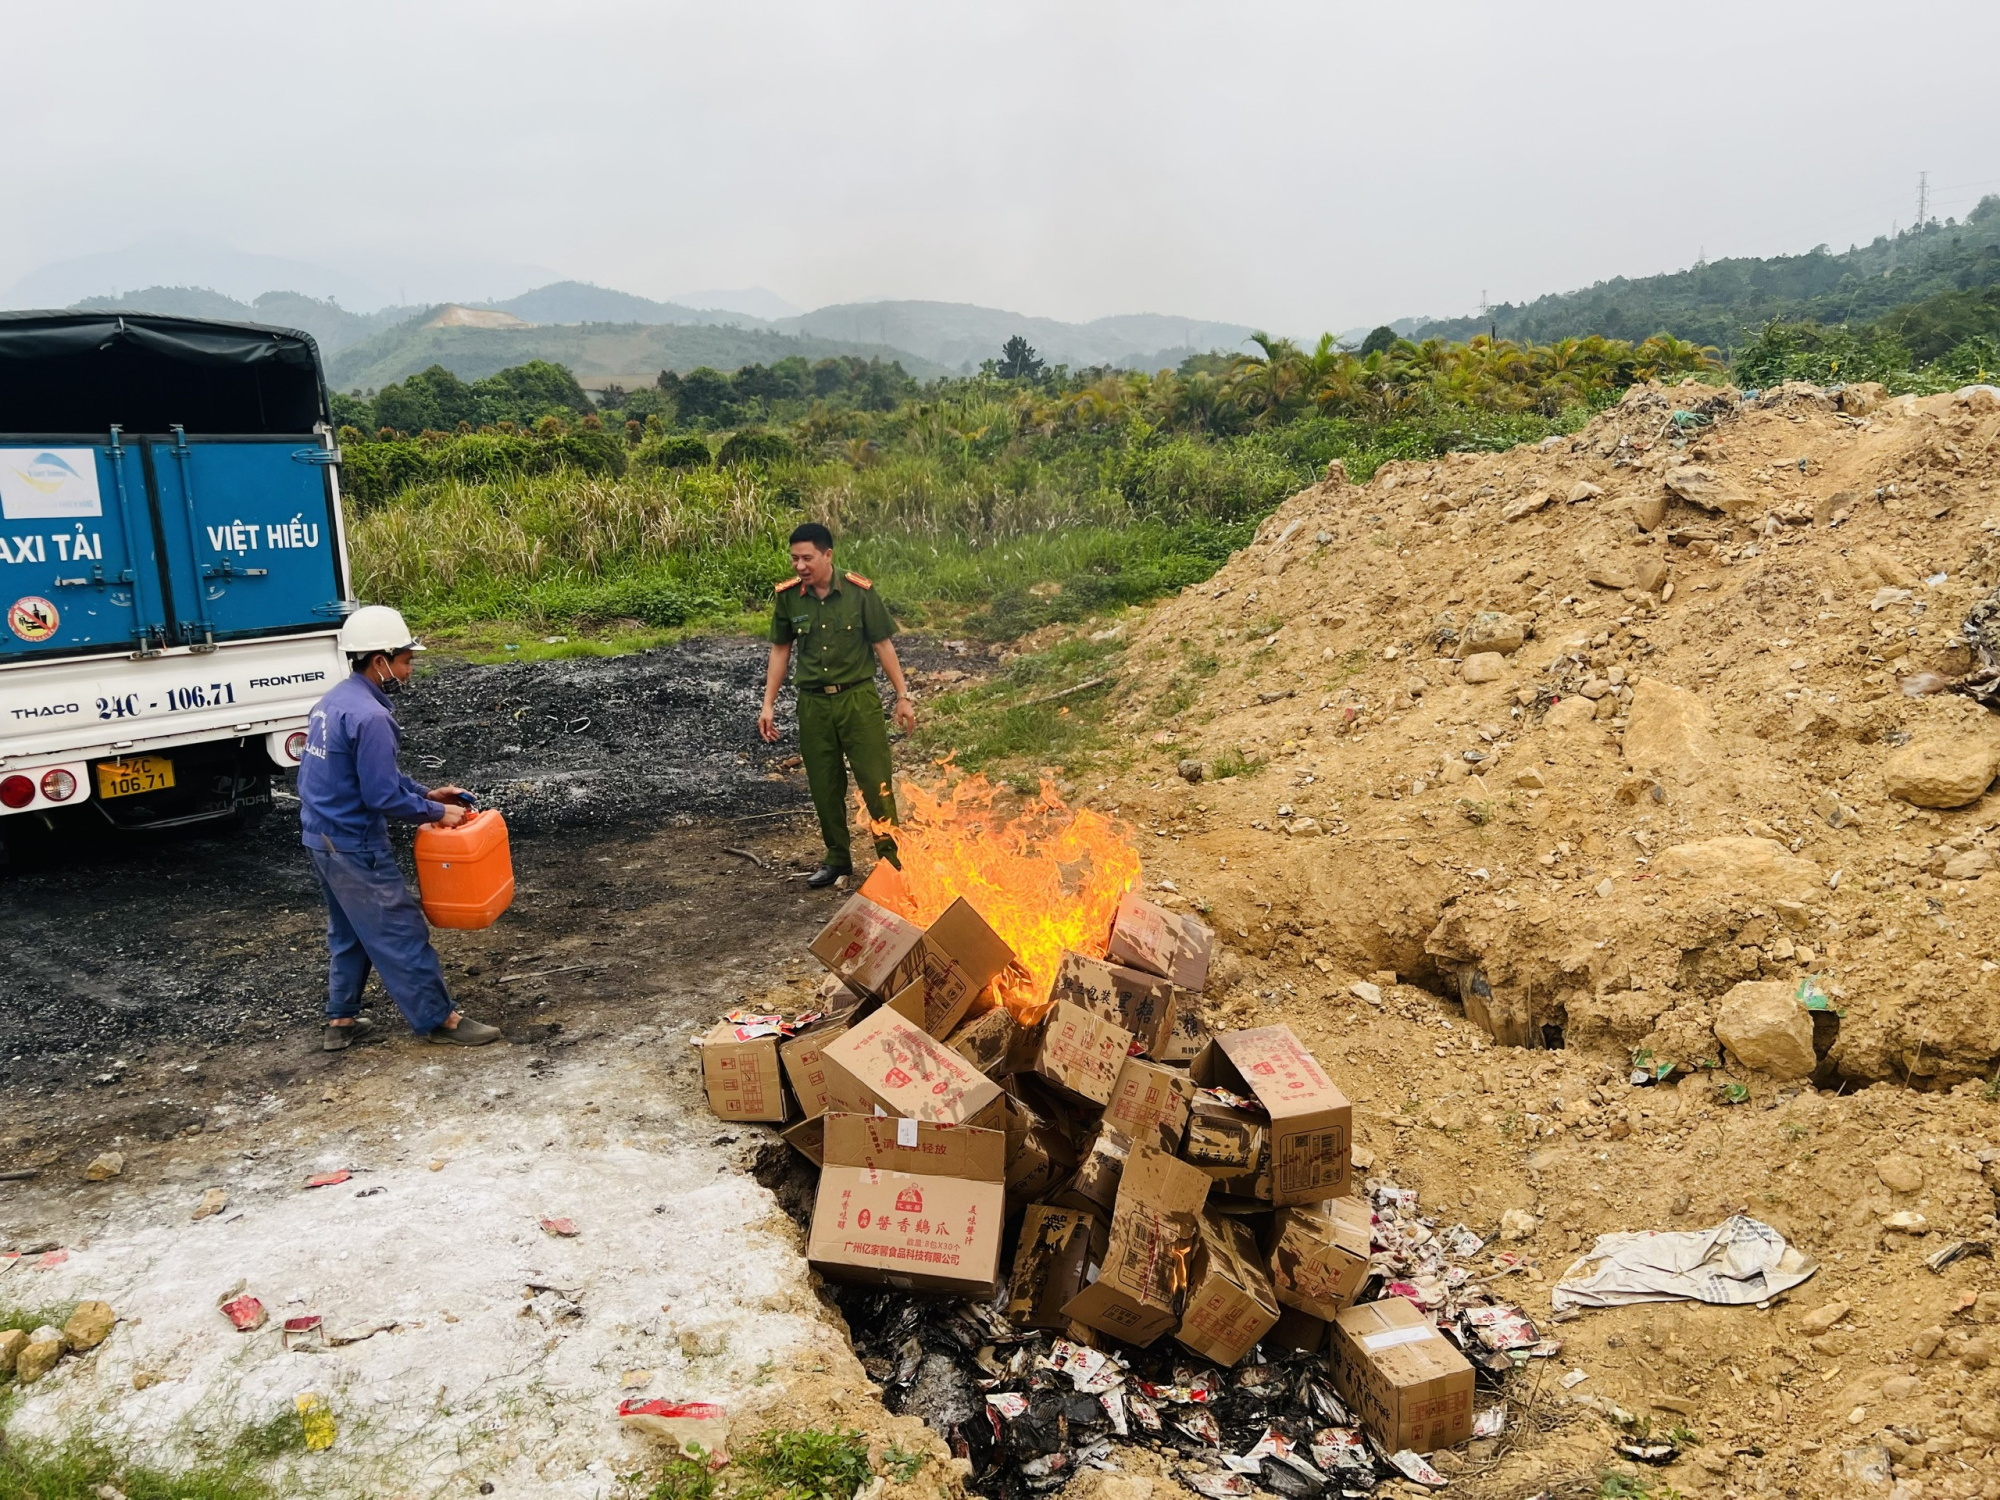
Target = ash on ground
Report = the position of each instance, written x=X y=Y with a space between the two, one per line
x=1028 y=1408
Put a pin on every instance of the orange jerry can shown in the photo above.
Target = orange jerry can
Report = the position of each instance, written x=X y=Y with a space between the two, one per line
x=465 y=875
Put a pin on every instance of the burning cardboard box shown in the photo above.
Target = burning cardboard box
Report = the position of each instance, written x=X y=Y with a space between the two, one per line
x=1142 y=1003
x=1149 y=937
x=740 y=1070
x=1311 y=1122
x=880 y=953
x=1230 y=1303
x=910 y=1204
x=1150 y=1103
x=1406 y=1381
x=1139 y=1289
x=1079 y=1054
x=1318 y=1255
x=1052 y=1262
x=887 y=1063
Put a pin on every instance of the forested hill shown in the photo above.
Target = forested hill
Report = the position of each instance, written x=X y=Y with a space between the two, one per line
x=1725 y=302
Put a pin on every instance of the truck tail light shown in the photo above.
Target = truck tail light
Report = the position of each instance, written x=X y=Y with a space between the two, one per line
x=58 y=785
x=295 y=745
x=16 y=791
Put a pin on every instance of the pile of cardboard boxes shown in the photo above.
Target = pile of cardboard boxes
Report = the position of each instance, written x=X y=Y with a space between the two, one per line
x=1146 y=1178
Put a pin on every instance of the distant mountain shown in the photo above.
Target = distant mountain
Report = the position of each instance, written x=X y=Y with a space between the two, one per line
x=581 y=302
x=597 y=353
x=959 y=335
x=1724 y=302
x=1402 y=327
x=333 y=326
x=373 y=281
x=754 y=301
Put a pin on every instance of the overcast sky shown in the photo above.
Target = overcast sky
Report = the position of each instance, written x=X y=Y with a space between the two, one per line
x=1296 y=166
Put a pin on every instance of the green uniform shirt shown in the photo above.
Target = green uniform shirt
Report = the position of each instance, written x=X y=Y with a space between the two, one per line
x=832 y=639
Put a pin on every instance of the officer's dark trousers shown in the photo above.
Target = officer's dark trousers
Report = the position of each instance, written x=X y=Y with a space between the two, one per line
x=836 y=731
x=373 y=920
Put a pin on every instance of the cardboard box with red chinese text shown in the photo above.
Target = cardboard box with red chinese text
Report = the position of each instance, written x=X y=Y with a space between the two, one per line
x=1149 y=1102
x=886 y=1062
x=1318 y=1254
x=742 y=1076
x=871 y=948
x=1138 y=1293
x=1142 y=1003
x=1170 y=944
x=1311 y=1122
x=1407 y=1382
x=1230 y=1304
x=938 y=1229
x=1079 y=1054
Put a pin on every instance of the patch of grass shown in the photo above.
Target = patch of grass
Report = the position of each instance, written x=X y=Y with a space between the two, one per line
x=1637 y=1487
x=679 y=1478
x=1233 y=762
x=900 y=1464
x=1046 y=709
x=807 y=1465
x=28 y=1319
x=77 y=1469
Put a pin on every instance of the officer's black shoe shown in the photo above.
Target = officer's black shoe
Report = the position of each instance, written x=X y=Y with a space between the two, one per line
x=826 y=875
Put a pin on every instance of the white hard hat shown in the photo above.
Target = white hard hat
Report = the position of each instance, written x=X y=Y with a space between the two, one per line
x=376 y=627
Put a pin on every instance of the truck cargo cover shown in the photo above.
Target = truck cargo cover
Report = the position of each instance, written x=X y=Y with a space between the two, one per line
x=80 y=372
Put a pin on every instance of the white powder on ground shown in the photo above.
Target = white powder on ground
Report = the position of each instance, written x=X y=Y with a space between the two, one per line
x=681 y=1266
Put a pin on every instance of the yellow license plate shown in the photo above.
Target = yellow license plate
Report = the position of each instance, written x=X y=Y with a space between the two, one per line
x=142 y=773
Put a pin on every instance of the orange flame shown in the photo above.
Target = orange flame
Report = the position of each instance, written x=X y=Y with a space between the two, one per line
x=1045 y=879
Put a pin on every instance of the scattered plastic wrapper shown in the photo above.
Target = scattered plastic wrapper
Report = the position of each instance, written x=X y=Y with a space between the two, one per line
x=329 y=1179
x=1573 y=1378
x=1741 y=1261
x=307 y=1332
x=316 y=1417
x=1410 y=1464
x=698 y=1428
x=1937 y=1260
x=562 y=1229
x=1113 y=1402
x=1648 y=1450
x=1218 y=1486
x=1490 y=1423
x=1091 y=1371
x=1200 y=1426
x=1144 y=1412
x=245 y=1311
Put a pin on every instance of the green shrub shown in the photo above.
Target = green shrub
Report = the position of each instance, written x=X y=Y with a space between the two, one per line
x=680 y=451
x=756 y=446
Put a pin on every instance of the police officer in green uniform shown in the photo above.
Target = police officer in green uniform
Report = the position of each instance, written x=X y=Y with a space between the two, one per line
x=841 y=629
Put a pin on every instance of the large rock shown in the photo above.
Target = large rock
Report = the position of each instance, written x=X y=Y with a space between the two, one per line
x=89 y=1325
x=1942 y=770
x=1743 y=865
x=1764 y=1026
x=39 y=1355
x=1670 y=732
x=1704 y=488
x=1491 y=630
x=12 y=1340
x=1485 y=666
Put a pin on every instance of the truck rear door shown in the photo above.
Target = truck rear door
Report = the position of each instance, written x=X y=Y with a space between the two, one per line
x=143 y=542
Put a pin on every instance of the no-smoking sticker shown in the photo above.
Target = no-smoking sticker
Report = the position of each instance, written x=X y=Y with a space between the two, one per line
x=34 y=619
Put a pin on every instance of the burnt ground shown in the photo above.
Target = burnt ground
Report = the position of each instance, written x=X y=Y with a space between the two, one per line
x=146 y=979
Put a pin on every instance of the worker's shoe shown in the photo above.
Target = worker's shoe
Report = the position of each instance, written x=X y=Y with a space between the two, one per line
x=467 y=1033
x=340 y=1038
x=826 y=875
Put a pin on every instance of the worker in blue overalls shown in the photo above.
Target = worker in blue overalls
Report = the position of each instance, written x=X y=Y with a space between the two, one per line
x=349 y=787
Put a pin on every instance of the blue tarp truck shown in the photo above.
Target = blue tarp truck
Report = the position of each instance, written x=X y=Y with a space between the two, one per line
x=172 y=567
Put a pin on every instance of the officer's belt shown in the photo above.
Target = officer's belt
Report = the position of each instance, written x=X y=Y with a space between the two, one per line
x=838 y=687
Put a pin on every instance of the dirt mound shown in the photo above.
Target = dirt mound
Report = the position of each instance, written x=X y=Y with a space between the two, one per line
x=1587 y=734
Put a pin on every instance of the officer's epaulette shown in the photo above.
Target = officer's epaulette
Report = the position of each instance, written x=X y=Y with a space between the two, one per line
x=858 y=581
x=790 y=583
